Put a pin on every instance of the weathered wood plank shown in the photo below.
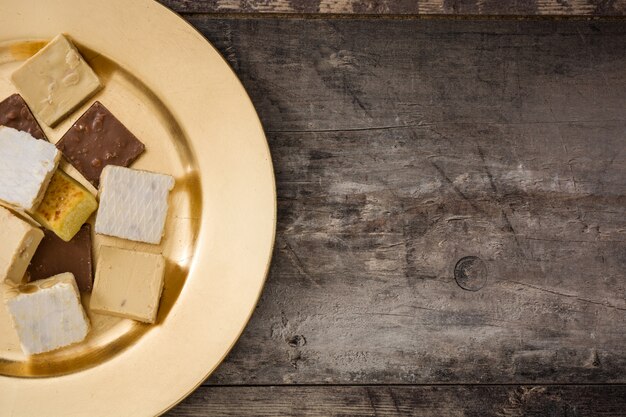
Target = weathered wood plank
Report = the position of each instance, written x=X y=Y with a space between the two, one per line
x=410 y=7
x=403 y=146
x=381 y=401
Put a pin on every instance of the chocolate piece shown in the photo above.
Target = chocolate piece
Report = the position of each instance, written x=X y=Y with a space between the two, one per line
x=55 y=256
x=14 y=112
x=96 y=140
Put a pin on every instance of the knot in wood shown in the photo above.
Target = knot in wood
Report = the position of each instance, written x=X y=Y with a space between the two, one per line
x=470 y=273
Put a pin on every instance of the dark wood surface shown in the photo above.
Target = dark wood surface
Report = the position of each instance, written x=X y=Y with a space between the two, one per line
x=401 y=147
x=405 y=401
x=406 y=7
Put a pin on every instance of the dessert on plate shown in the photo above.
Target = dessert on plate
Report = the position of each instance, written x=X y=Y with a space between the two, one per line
x=46 y=214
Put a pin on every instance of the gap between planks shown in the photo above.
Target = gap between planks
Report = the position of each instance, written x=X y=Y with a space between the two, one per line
x=354 y=16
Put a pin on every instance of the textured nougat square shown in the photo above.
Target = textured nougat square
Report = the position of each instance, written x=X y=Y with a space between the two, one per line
x=133 y=204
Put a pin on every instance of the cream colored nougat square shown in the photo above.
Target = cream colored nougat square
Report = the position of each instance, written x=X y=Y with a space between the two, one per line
x=55 y=80
x=18 y=242
x=128 y=284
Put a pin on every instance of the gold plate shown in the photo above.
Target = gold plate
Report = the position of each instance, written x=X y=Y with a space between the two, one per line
x=171 y=88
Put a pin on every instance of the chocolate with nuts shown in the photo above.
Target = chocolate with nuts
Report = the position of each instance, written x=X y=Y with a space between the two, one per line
x=96 y=140
x=14 y=112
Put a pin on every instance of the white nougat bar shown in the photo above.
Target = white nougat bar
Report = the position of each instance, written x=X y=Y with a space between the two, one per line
x=26 y=166
x=47 y=313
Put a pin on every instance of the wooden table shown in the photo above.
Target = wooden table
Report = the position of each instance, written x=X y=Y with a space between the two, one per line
x=451 y=208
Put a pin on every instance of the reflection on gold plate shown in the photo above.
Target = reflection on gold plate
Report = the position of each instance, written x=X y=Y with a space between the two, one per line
x=178 y=96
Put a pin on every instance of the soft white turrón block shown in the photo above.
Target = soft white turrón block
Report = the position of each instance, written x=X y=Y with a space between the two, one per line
x=47 y=314
x=18 y=242
x=133 y=204
x=55 y=80
x=26 y=166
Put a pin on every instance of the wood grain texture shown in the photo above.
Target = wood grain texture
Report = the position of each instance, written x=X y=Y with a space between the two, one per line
x=386 y=401
x=406 y=7
x=403 y=146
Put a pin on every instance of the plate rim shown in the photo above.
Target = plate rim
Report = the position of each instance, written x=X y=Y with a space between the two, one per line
x=274 y=214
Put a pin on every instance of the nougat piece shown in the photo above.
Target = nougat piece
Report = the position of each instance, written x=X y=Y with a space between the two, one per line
x=55 y=80
x=47 y=314
x=18 y=243
x=14 y=112
x=55 y=256
x=128 y=284
x=26 y=166
x=96 y=140
x=66 y=206
x=133 y=204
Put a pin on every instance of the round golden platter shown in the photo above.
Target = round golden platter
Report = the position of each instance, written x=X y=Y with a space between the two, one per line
x=170 y=87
